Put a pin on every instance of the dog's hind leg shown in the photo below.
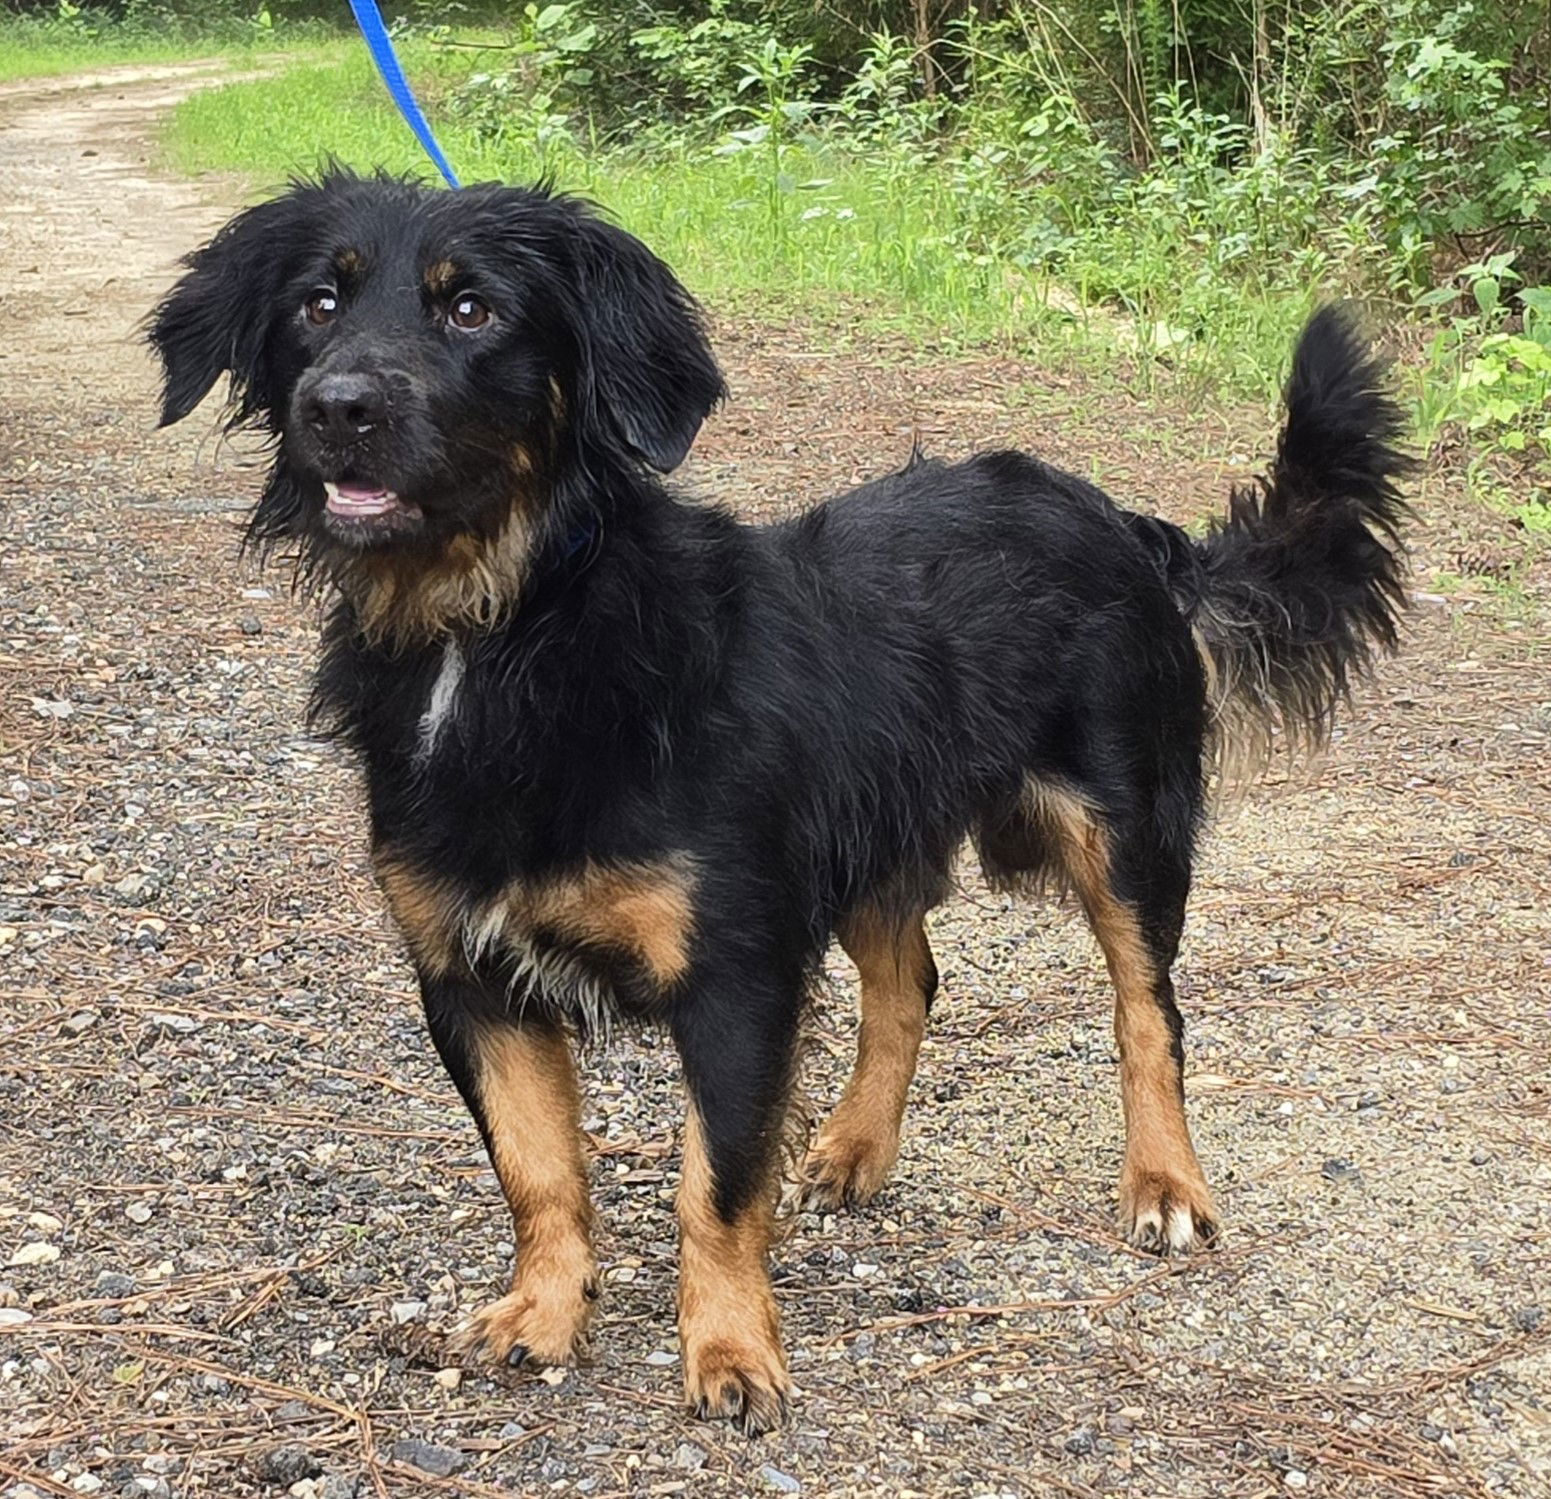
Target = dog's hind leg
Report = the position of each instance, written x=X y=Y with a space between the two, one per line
x=857 y=1147
x=519 y=1082
x=1133 y=885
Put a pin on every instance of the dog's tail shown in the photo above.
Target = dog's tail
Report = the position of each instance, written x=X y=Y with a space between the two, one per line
x=1292 y=594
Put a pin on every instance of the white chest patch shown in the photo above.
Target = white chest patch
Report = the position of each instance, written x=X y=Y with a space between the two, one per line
x=444 y=699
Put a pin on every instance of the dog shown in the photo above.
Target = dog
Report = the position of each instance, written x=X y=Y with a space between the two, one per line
x=629 y=759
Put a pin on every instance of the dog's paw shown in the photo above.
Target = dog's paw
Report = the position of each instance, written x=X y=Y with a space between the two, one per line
x=844 y=1171
x=521 y=1330
x=1166 y=1213
x=744 y=1384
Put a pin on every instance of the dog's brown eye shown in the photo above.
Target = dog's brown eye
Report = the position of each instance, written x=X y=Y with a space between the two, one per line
x=321 y=307
x=468 y=313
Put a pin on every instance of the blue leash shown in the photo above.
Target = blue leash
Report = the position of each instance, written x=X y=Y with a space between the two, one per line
x=380 y=45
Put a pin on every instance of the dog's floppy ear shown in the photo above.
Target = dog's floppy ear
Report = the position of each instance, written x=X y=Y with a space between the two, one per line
x=217 y=319
x=649 y=374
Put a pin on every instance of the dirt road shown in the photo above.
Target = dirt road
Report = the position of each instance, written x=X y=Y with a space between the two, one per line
x=238 y=1197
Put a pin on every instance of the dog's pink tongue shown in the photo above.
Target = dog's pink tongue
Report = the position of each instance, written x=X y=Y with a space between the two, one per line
x=360 y=499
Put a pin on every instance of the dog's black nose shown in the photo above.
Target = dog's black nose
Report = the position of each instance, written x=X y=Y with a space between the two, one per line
x=345 y=407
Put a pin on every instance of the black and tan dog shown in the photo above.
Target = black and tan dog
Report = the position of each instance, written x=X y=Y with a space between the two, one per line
x=629 y=758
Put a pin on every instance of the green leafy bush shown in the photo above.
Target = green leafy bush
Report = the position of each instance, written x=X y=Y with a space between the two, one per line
x=537 y=96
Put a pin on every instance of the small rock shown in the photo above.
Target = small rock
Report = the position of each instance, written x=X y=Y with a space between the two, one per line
x=337 y=1486
x=82 y=1020
x=448 y=1379
x=429 y=1457
x=1080 y=1443
x=1480 y=1158
x=138 y=1212
x=1528 y=1318
x=407 y=1311
x=94 y=874
x=14 y=1316
x=862 y=1270
x=1338 y=1170
x=112 y=1283
x=1295 y=1478
x=661 y=1359
x=511 y=1431
x=45 y=1223
x=36 y=1253
x=784 y=1482
x=252 y=625
x=1447 y=1445
x=284 y=1466
x=689 y=1457
x=86 y=1483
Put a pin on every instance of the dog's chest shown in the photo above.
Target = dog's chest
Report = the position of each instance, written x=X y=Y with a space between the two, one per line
x=442 y=702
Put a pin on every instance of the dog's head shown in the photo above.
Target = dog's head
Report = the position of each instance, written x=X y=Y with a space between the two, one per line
x=438 y=368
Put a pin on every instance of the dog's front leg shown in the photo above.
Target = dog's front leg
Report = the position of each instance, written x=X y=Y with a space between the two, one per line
x=518 y=1080
x=737 y=1047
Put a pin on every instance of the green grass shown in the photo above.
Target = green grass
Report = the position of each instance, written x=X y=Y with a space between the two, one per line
x=31 y=48
x=835 y=236
x=710 y=217
x=28 y=53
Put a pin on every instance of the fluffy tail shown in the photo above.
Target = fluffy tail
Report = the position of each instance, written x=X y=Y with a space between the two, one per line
x=1295 y=591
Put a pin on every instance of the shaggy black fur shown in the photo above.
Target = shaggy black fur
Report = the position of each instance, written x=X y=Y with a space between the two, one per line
x=811 y=717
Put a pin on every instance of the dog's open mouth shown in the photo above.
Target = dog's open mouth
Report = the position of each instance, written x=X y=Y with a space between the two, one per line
x=358 y=508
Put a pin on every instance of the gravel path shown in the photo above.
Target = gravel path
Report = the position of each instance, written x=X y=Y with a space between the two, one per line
x=239 y=1199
